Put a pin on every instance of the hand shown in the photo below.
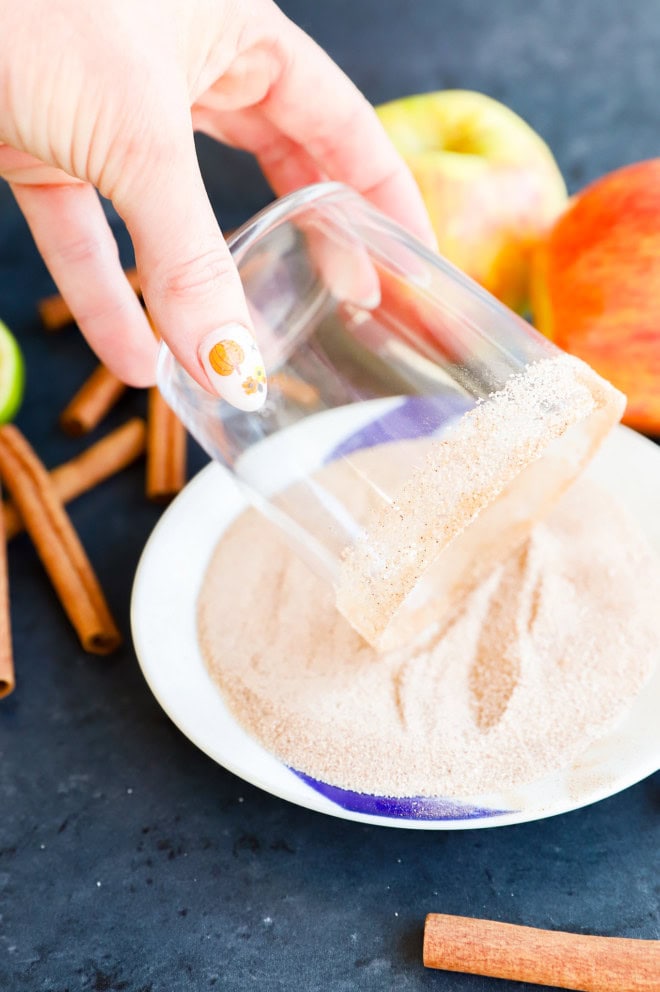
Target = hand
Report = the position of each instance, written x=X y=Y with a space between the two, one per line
x=105 y=97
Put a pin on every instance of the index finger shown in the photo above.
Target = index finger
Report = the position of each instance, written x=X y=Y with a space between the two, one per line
x=316 y=105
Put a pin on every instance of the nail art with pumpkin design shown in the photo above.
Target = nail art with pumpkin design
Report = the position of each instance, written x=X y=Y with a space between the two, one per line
x=234 y=366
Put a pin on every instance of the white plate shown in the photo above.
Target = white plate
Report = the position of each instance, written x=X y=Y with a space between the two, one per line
x=164 y=630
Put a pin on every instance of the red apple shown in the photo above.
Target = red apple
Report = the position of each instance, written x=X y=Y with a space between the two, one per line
x=490 y=183
x=596 y=285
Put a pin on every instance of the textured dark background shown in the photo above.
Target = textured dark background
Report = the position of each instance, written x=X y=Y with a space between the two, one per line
x=128 y=860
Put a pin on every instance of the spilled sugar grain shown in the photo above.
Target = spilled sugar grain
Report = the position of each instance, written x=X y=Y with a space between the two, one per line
x=544 y=655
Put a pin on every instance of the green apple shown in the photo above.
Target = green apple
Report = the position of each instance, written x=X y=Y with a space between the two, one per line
x=12 y=375
x=489 y=181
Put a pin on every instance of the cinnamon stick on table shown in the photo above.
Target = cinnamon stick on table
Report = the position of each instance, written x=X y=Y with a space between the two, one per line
x=57 y=543
x=108 y=456
x=542 y=957
x=166 y=450
x=7 y=679
x=54 y=310
x=92 y=402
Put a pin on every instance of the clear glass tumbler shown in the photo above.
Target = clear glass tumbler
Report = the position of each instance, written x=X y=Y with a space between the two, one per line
x=414 y=428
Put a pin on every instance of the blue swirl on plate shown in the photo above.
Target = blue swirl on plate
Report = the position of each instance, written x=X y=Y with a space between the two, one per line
x=413 y=417
x=400 y=808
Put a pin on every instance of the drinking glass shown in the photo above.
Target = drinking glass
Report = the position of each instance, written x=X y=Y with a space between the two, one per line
x=414 y=428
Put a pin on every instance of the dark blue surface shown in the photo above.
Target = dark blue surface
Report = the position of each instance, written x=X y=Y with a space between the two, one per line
x=129 y=862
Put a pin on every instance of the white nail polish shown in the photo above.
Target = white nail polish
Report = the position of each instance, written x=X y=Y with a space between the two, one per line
x=234 y=366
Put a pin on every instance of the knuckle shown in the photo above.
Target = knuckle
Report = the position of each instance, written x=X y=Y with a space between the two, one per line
x=80 y=251
x=352 y=122
x=386 y=175
x=98 y=312
x=199 y=275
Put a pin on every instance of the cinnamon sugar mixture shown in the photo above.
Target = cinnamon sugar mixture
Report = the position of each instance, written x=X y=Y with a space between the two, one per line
x=544 y=655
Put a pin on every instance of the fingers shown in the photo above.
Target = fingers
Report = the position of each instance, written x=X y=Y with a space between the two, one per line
x=188 y=278
x=341 y=132
x=77 y=245
x=284 y=163
x=342 y=263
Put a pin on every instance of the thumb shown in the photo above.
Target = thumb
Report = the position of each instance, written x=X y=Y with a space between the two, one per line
x=190 y=284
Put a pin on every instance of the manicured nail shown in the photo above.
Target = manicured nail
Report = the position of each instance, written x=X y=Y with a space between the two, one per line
x=235 y=368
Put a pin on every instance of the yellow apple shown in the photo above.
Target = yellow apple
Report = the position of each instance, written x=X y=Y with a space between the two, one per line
x=490 y=183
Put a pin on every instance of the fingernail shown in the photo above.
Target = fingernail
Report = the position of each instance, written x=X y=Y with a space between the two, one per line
x=234 y=366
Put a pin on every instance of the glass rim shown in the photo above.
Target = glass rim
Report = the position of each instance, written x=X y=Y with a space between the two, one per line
x=282 y=208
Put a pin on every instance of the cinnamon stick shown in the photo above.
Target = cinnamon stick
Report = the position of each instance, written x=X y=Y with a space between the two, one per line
x=108 y=456
x=92 y=402
x=57 y=543
x=541 y=957
x=166 y=450
x=7 y=679
x=295 y=390
x=54 y=310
